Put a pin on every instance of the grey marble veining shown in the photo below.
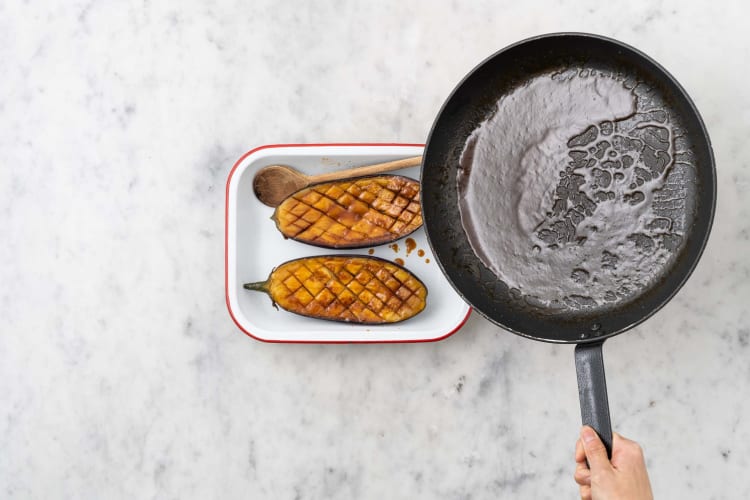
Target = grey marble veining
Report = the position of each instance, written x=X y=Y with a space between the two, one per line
x=121 y=373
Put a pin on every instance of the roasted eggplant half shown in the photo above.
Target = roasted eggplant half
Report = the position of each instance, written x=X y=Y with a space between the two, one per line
x=353 y=213
x=349 y=288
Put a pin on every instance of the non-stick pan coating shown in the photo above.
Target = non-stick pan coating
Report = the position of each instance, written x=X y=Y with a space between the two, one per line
x=693 y=184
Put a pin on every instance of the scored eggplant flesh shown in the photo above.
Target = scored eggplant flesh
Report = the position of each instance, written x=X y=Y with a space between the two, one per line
x=346 y=288
x=352 y=213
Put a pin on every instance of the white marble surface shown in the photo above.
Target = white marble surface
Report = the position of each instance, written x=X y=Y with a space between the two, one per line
x=121 y=373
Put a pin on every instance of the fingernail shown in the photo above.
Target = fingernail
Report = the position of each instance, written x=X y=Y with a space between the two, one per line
x=587 y=434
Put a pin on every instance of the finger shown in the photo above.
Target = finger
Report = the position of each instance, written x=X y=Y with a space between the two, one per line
x=582 y=475
x=580 y=454
x=585 y=492
x=625 y=450
x=623 y=442
x=596 y=453
x=620 y=440
x=619 y=449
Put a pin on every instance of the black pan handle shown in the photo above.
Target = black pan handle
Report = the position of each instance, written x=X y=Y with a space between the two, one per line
x=592 y=391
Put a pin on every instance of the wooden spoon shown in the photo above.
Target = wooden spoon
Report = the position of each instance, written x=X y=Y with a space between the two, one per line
x=274 y=183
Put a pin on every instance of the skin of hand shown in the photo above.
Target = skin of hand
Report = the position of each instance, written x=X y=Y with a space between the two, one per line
x=623 y=478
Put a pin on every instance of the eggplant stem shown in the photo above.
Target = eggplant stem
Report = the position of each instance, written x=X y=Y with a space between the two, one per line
x=260 y=286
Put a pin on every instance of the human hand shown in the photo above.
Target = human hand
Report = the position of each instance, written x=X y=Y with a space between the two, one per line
x=623 y=478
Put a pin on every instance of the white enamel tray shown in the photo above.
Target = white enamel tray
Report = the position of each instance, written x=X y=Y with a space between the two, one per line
x=253 y=247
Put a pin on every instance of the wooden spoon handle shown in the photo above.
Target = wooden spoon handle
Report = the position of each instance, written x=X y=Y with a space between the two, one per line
x=368 y=170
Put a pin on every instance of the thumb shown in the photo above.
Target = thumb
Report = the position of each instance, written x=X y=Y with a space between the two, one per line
x=596 y=453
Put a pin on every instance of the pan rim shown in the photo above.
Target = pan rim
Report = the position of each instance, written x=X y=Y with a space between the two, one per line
x=711 y=167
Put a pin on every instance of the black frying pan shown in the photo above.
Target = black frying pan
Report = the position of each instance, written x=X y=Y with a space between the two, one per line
x=688 y=201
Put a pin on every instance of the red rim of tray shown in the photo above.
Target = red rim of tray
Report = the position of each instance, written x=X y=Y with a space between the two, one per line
x=226 y=252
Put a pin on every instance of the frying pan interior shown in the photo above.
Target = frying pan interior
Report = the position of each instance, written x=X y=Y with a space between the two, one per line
x=687 y=200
